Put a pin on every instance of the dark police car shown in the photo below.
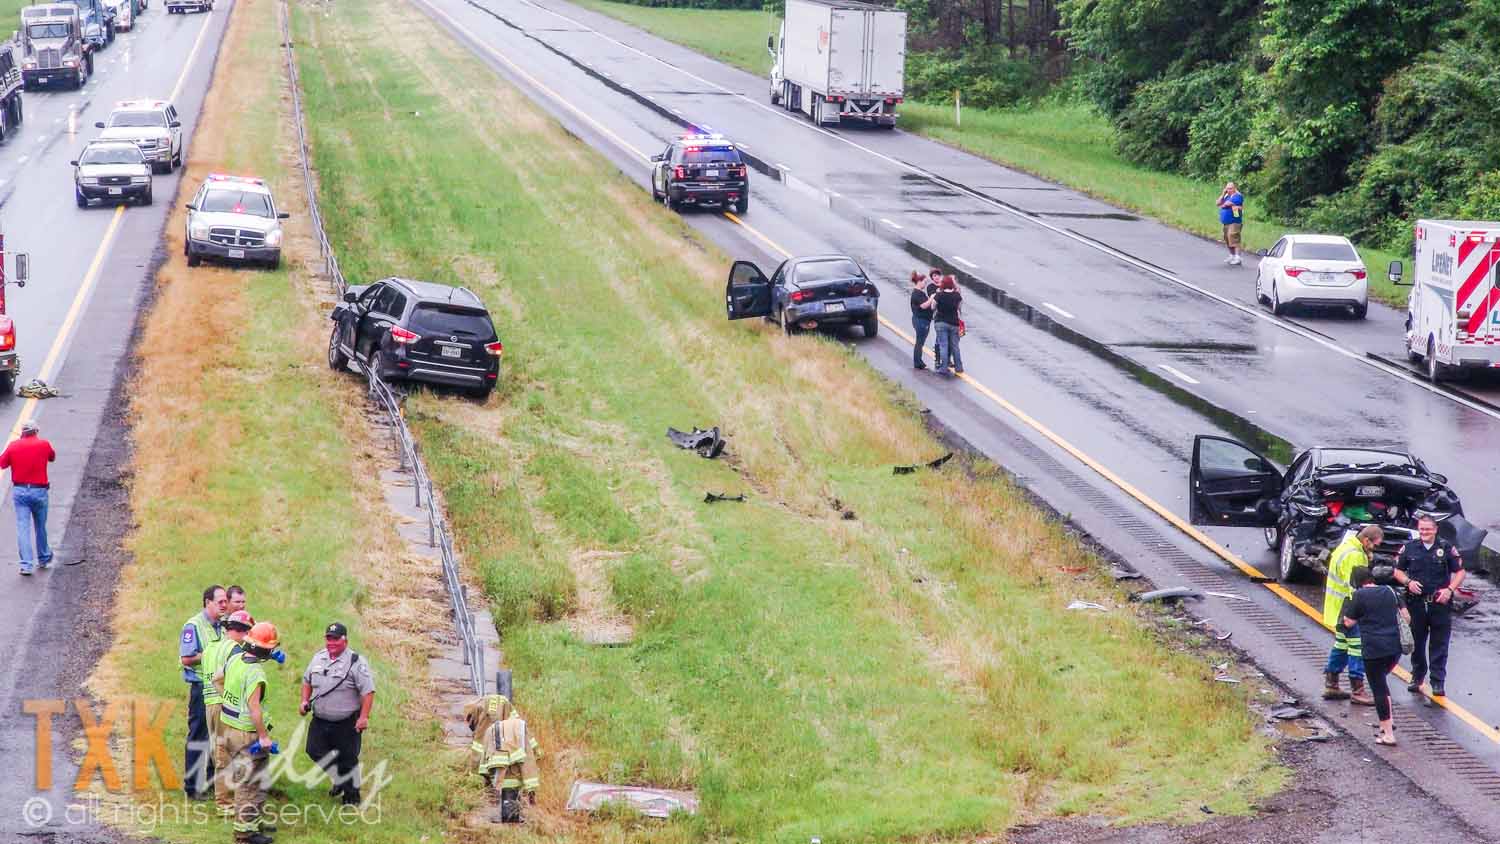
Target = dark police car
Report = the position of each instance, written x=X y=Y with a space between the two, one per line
x=807 y=292
x=701 y=170
x=417 y=331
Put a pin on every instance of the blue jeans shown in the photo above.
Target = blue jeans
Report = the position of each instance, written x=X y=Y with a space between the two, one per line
x=947 y=347
x=31 y=514
x=921 y=325
x=1339 y=657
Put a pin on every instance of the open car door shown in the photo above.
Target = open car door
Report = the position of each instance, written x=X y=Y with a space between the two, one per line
x=748 y=292
x=1231 y=485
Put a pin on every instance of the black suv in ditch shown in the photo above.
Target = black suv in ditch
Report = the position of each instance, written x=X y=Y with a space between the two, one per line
x=417 y=331
x=701 y=170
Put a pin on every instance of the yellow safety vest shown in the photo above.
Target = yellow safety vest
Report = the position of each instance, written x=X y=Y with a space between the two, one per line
x=241 y=676
x=208 y=635
x=1349 y=555
x=214 y=657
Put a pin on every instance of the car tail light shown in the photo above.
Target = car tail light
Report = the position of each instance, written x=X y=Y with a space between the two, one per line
x=679 y=172
x=7 y=334
x=1293 y=272
x=1358 y=274
x=739 y=171
x=801 y=296
x=402 y=336
x=496 y=348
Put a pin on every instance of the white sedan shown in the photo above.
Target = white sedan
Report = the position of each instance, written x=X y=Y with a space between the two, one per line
x=1313 y=271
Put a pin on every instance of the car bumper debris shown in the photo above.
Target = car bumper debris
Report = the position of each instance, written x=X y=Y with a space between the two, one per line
x=708 y=443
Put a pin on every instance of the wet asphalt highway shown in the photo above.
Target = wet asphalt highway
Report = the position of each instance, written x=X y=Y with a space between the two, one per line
x=1119 y=336
x=90 y=270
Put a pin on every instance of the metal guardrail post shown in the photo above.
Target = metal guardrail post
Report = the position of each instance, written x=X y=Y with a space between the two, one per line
x=406 y=445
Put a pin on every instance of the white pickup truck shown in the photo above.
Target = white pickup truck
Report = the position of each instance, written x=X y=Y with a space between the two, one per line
x=839 y=60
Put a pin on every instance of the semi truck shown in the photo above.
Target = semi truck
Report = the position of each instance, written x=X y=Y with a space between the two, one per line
x=839 y=61
x=54 y=50
x=1453 y=310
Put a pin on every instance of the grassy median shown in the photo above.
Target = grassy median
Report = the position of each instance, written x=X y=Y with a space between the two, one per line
x=251 y=466
x=906 y=671
x=1067 y=143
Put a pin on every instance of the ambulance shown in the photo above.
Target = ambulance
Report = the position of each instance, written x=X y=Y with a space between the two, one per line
x=1452 y=318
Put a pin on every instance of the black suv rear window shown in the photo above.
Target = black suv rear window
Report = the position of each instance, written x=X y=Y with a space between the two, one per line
x=710 y=155
x=445 y=319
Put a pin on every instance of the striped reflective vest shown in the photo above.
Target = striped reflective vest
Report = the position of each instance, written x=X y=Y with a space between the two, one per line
x=511 y=755
x=215 y=657
x=242 y=673
x=1349 y=555
x=208 y=635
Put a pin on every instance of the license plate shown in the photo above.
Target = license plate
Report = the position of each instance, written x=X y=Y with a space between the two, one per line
x=1325 y=278
x=1369 y=491
x=452 y=352
x=833 y=308
x=712 y=174
x=115 y=191
x=41 y=80
x=236 y=253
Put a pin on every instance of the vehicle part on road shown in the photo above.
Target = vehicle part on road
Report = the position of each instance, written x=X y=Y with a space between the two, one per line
x=719 y=496
x=1289 y=713
x=707 y=443
x=1122 y=574
x=931 y=464
x=651 y=802
x=1170 y=594
x=36 y=388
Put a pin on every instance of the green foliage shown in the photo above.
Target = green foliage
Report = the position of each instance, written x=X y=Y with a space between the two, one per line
x=645 y=588
x=988 y=77
x=711 y=4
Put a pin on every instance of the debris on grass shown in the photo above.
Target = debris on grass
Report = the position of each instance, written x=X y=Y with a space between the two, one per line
x=1087 y=605
x=932 y=464
x=1170 y=594
x=708 y=443
x=650 y=802
x=721 y=496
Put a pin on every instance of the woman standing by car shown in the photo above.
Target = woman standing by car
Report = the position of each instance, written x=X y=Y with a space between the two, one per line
x=946 y=306
x=921 y=316
x=1375 y=609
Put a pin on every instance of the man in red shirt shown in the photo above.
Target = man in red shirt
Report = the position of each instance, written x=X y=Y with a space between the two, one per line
x=27 y=460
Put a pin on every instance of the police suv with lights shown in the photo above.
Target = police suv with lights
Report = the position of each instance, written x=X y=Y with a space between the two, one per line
x=701 y=170
x=152 y=125
x=233 y=219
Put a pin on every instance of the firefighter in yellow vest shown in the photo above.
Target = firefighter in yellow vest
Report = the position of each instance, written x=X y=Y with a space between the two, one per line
x=504 y=753
x=245 y=724
x=235 y=627
x=1351 y=553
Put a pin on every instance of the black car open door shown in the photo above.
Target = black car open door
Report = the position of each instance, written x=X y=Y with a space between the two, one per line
x=1232 y=485
x=748 y=292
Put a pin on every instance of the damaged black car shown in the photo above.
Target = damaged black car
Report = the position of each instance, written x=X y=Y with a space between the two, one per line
x=1326 y=492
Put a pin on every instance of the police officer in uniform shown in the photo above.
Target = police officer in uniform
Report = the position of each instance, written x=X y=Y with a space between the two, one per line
x=199 y=634
x=1430 y=569
x=338 y=688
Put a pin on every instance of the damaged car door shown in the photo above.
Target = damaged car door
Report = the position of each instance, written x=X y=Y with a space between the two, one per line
x=748 y=292
x=1232 y=486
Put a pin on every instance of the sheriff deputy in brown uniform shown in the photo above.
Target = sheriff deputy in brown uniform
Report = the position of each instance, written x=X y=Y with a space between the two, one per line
x=338 y=688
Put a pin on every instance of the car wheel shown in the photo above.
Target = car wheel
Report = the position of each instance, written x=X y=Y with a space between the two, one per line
x=1276 y=307
x=787 y=328
x=1291 y=570
x=8 y=382
x=481 y=394
x=82 y=200
x=871 y=326
x=378 y=363
x=176 y=161
x=1435 y=369
x=1360 y=311
x=1273 y=537
x=742 y=205
x=655 y=194
x=274 y=263
x=193 y=258
x=666 y=198
x=337 y=360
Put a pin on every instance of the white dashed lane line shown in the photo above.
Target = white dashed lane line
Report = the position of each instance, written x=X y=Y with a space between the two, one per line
x=1177 y=373
x=889 y=223
x=1057 y=310
x=966 y=262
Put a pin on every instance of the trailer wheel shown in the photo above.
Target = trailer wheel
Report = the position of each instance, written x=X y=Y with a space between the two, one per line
x=20 y=116
x=1436 y=371
x=8 y=382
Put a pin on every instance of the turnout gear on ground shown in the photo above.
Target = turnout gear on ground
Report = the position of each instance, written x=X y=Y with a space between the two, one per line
x=505 y=753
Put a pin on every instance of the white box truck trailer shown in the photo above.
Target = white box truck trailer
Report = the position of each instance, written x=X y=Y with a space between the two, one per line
x=838 y=61
x=1453 y=311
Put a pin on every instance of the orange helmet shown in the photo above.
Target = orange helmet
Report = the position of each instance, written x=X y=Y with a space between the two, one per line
x=263 y=635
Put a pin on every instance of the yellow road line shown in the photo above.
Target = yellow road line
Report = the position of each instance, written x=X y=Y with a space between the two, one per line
x=1128 y=488
x=65 y=330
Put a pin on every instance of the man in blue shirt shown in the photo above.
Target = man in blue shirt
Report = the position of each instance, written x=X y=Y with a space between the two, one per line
x=198 y=633
x=1232 y=218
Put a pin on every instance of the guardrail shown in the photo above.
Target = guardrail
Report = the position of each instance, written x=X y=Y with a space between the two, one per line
x=388 y=400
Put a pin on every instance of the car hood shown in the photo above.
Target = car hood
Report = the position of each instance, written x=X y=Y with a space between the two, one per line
x=133 y=133
x=95 y=170
x=242 y=221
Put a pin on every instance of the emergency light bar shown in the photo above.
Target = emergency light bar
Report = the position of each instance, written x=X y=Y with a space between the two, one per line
x=221 y=177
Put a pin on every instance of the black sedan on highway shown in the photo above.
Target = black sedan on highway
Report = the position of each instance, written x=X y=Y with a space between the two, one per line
x=805 y=293
x=1306 y=511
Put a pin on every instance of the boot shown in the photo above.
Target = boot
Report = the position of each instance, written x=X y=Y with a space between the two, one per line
x=1360 y=695
x=1331 y=690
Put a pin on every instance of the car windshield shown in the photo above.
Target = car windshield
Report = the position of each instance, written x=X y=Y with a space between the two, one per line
x=710 y=155
x=815 y=271
x=237 y=202
x=138 y=118
x=111 y=155
x=1324 y=252
x=443 y=319
x=1356 y=458
x=48 y=30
